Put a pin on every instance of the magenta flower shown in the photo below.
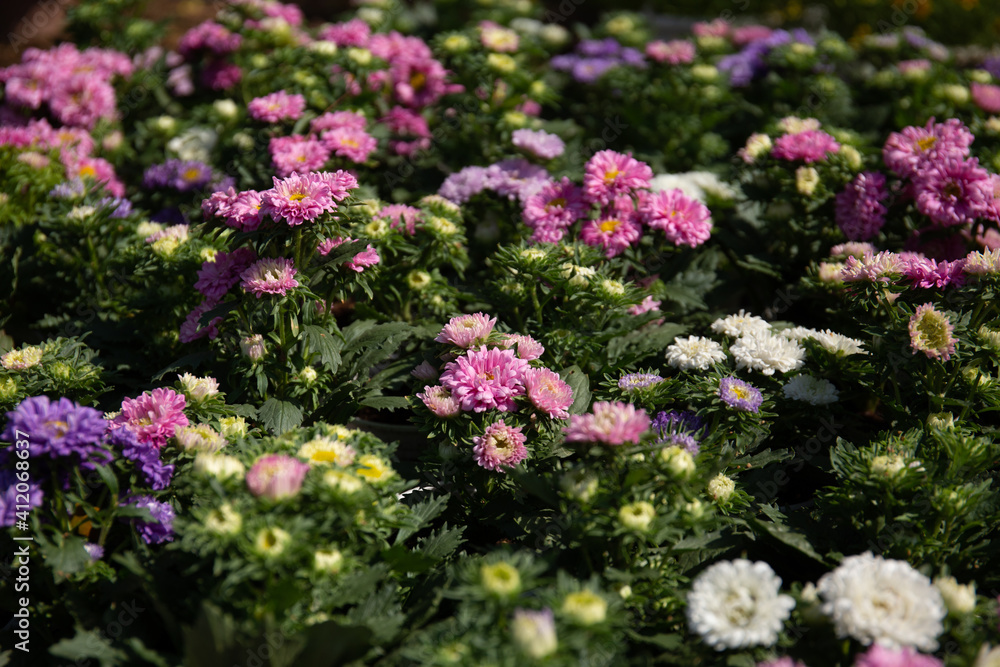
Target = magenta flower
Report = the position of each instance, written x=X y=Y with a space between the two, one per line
x=218 y=277
x=351 y=33
x=648 y=304
x=553 y=210
x=931 y=333
x=276 y=476
x=808 y=146
x=352 y=143
x=336 y=120
x=500 y=446
x=486 y=379
x=986 y=97
x=298 y=198
x=953 y=191
x=928 y=273
x=684 y=221
x=245 y=213
x=439 y=401
x=609 y=174
x=277 y=107
x=297 y=154
x=740 y=395
x=340 y=183
x=153 y=416
x=548 y=392
x=860 y=210
x=538 y=143
x=467 y=330
x=609 y=424
x=882 y=656
x=401 y=216
x=192 y=329
x=881 y=267
x=362 y=260
x=904 y=152
x=614 y=234
x=269 y=276
x=210 y=37
x=674 y=52
x=527 y=347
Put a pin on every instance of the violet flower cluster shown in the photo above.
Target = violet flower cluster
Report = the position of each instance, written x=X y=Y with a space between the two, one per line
x=594 y=57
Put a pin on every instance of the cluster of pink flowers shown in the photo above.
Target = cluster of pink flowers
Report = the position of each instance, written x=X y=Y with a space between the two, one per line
x=674 y=52
x=276 y=107
x=75 y=146
x=410 y=131
x=340 y=133
x=609 y=423
x=76 y=85
x=362 y=260
x=153 y=416
x=860 y=207
x=401 y=216
x=916 y=270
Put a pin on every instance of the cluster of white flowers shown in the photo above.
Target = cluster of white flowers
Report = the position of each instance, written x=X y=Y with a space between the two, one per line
x=694 y=352
x=737 y=604
x=767 y=353
x=812 y=390
x=834 y=342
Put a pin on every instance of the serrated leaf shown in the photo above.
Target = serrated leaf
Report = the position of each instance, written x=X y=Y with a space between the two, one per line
x=86 y=645
x=279 y=416
x=761 y=459
x=65 y=555
x=580 y=384
x=442 y=543
x=420 y=515
x=326 y=343
x=386 y=402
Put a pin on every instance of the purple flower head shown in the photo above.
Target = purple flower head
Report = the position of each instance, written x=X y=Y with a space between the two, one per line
x=538 y=143
x=608 y=47
x=57 y=429
x=95 y=551
x=684 y=429
x=161 y=529
x=589 y=70
x=9 y=500
x=860 y=209
x=632 y=381
x=145 y=456
x=121 y=208
x=740 y=395
x=463 y=185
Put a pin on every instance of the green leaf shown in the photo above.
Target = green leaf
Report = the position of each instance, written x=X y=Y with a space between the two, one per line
x=108 y=478
x=65 y=555
x=327 y=344
x=280 y=416
x=86 y=645
x=761 y=459
x=386 y=402
x=785 y=535
x=442 y=543
x=211 y=641
x=332 y=643
x=670 y=642
x=580 y=384
x=420 y=515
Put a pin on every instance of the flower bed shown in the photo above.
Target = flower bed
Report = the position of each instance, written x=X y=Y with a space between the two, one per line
x=467 y=338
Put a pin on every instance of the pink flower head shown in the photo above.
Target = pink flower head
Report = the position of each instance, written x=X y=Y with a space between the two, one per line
x=360 y=261
x=610 y=424
x=527 y=347
x=297 y=154
x=928 y=273
x=276 y=476
x=750 y=33
x=553 y=210
x=782 y=662
x=192 y=329
x=404 y=123
x=548 y=392
x=648 y=304
x=986 y=96
x=613 y=234
x=467 y=330
x=716 y=28
x=609 y=174
x=153 y=416
x=883 y=656
x=860 y=209
x=340 y=183
x=883 y=267
x=684 y=220
x=808 y=146
x=246 y=211
x=352 y=33
x=953 y=191
x=440 y=401
x=208 y=37
x=338 y=120
x=352 y=143
x=401 y=216
x=269 y=276
x=915 y=65
x=277 y=107
x=904 y=152
x=298 y=198
x=538 y=143
x=218 y=277
x=497 y=38
x=500 y=446
x=674 y=52
x=486 y=379
x=931 y=333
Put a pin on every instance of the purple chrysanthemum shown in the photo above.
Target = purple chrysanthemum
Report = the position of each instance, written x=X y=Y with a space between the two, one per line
x=144 y=455
x=538 y=143
x=486 y=379
x=683 y=429
x=740 y=395
x=860 y=211
x=57 y=429
x=500 y=446
x=633 y=381
x=9 y=500
x=953 y=191
x=161 y=529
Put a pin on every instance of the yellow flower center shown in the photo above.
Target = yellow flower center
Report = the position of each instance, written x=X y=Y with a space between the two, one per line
x=610 y=175
x=926 y=143
x=609 y=226
x=87 y=170
x=60 y=427
x=191 y=174
x=298 y=196
x=418 y=81
x=558 y=201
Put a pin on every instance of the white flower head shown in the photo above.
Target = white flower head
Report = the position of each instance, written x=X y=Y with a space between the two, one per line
x=740 y=324
x=694 y=352
x=812 y=390
x=737 y=604
x=767 y=353
x=874 y=599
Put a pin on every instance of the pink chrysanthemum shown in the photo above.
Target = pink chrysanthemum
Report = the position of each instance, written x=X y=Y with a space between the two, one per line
x=808 y=146
x=440 y=401
x=269 y=276
x=860 y=211
x=467 y=330
x=401 y=216
x=904 y=152
x=153 y=416
x=218 y=277
x=337 y=120
x=928 y=273
x=276 y=476
x=527 y=347
x=613 y=234
x=277 y=107
x=674 y=52
x=298 y=198
x=885 y=656
x=352 y=143
x=548 y=392
x=883 y=267
x=684 y=221
x=486 y=379
x=553 y=210
x=649 y=304
x=246 y=212
x=340 y=183
x=191 y=330
x=351 y=33
x=500 y=446
x=297 y=154
x=362 y=260
x=610 y=424
x=953 y=191
x=931 y=333
x=609 y=174
x=986 y=96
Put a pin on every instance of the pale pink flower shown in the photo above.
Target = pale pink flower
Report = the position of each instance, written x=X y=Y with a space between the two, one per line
x=467 y=330
x=276 y=107
x=297 y=154
x=527 y=347
x=153 y=416
x=808 y=146
x=336 y=120
x=440 y=401
x=340 y=183
x=349 y=142
x=931 y=333
x=609 y=423
x=500 y=446
x=647 y=305
x=276 y=476
x=674 y=52
x=548 y=392
x=401 y=216
x=486 y=379
x=269 y=276
x=986 y=96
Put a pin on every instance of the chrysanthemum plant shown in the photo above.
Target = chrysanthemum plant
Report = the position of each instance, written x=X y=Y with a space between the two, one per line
x=58 y=367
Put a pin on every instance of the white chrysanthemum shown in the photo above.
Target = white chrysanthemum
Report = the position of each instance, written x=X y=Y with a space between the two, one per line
x=740 y=324
x=695 y=184
x=767 y=353
x=694 y=352
x=736 y=604
x=873 y=599
x=812 y=390
x=830 y=340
